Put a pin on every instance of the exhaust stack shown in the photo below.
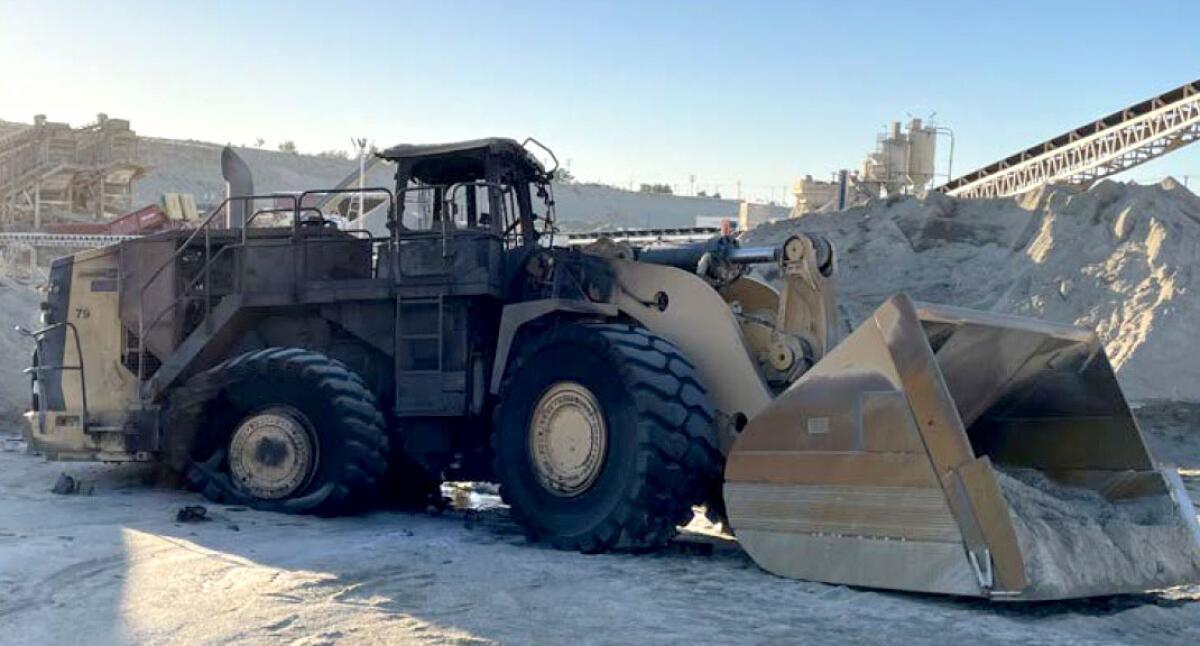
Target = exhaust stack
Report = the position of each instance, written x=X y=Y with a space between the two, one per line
x=946 y=450
x=238 y=183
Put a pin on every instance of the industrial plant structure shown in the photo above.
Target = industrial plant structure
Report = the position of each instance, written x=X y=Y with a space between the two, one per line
x=51 y=167
x=902 y=163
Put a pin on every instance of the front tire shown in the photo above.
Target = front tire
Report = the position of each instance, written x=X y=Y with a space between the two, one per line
x=280 y=429
x=603 y=438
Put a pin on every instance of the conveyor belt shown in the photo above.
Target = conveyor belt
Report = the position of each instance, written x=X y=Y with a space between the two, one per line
x=62 y=240
x=1118 y=142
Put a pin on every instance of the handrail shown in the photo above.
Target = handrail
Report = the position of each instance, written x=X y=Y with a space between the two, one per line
x=195 y=279
x=210 y=258
x=246 y=224
x=531 y=140
x=453 y=188
x=192 y=284
x=204 y=226
x=342 y=191
x=505 y=190
x=302 y=266
x=37 y=335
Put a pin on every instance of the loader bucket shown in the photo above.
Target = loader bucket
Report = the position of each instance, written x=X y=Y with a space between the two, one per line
x=952 y=451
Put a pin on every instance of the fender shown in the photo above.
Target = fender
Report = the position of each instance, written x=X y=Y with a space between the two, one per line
x=515 y=315
x=682 y=308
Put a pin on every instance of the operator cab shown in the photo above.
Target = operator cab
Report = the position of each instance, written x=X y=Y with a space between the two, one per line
x=463 y=223
x=482 y=185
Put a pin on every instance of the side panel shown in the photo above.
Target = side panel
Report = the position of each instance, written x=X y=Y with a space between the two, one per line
x=148 y=295
x=84 y=293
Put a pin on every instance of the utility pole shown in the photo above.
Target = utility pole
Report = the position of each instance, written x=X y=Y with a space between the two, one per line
x=37 y=204
x=692 y=185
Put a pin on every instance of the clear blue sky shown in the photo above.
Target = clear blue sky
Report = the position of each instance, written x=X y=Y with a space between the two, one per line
x=642 y=91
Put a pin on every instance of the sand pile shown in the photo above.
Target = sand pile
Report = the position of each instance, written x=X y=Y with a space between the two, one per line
x=1118 y=258
x=18 y=306
x=1073 y=539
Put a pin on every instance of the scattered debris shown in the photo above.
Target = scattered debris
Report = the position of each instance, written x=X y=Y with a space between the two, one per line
x=66 y=486
x=477 y=496
x=192 y=514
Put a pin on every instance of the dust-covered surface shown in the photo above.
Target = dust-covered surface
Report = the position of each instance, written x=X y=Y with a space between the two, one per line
x=18 y=306
x=1121 y=259
x=1172 y=430
x=1075 y=541
x=115 y=567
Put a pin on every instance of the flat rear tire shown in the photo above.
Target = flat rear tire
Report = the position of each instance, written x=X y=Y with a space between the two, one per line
x=280 y=429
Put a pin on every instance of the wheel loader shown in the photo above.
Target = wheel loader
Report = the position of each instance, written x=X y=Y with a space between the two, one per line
x=310 y=368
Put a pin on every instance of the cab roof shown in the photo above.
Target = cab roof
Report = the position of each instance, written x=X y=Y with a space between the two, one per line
x=463 y=160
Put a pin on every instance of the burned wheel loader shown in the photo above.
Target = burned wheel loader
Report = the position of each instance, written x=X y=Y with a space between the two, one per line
x=608 y=389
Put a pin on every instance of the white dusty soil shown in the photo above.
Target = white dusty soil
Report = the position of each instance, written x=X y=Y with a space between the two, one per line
x=115 y=567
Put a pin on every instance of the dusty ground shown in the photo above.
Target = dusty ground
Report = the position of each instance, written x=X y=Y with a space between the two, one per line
x=115 y=567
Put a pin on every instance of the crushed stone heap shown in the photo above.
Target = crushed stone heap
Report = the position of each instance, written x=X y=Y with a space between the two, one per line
x=1118 y=258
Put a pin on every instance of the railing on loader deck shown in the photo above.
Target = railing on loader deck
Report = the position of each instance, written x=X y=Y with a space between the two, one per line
x=37 y=369
x=205 y=271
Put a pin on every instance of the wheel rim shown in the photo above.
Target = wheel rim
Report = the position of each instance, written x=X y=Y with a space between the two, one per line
x=273 y=453
x=568 y=439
